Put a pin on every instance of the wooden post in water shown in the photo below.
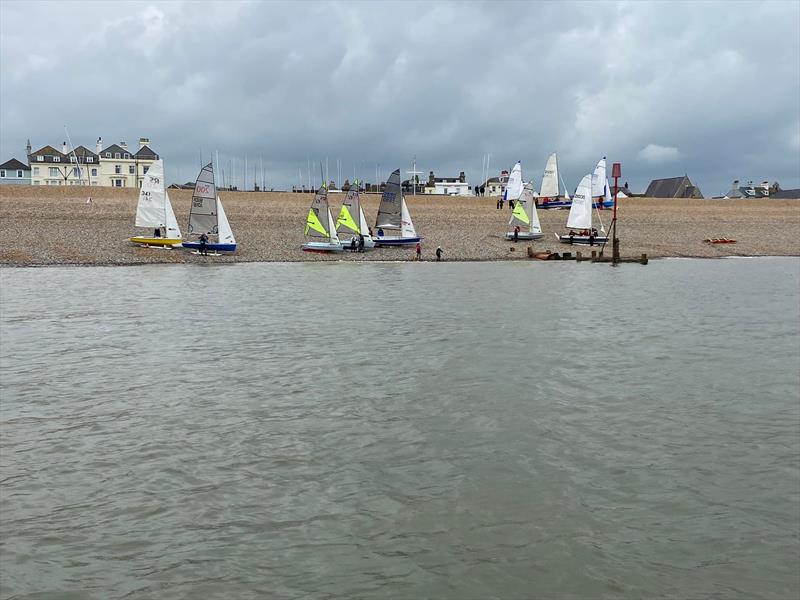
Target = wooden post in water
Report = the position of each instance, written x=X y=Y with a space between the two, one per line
x=616 y=173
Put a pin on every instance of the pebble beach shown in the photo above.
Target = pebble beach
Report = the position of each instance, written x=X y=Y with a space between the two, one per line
x=91 y=226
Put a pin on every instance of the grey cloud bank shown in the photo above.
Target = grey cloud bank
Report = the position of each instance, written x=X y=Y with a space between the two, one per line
x=664 y=88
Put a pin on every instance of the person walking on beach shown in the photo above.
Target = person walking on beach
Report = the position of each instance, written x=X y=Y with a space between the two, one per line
x=204 y=244
x=498 y=203
x=439 y=253
x=419 y=251
x=360 y=243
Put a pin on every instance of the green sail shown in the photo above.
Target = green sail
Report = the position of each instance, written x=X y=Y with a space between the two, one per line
x=346 y=219
x=312 y=222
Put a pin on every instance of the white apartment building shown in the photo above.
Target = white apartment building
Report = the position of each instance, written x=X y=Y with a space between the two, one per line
x=115 y=166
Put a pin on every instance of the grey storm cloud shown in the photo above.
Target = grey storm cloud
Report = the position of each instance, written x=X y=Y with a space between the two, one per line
x=707 y=89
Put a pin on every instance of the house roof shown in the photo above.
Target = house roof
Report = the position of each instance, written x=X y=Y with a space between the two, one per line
x=786 y=195
x=47 y=151
x=665 y=188
x=146 y=153
x=14 y=165
x=82 y=152
x=113 y=149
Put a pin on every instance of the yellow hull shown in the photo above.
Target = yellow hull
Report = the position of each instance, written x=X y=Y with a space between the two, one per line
x=155 y=241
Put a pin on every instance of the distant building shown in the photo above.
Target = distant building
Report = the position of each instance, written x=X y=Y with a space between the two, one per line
x=15 y=172
x=495 y=186
x=673 y=187
x=447 y=186
x=750 y=190
x=114 y=166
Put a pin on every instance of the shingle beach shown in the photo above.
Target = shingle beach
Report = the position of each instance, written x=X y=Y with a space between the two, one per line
x=59 y=226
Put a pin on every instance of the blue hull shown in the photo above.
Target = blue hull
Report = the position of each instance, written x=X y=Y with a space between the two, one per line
x=604 y=204
x=211 y=247
x=397 y=241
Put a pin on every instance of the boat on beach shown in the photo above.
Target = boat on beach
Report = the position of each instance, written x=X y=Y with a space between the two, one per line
x=207 y=215
x=525 y=216
x=352 y=221
x=154 y=211
x=549 y=192
x=393 y=216
x=600 y=187
x=580 y=218
x=320 y=227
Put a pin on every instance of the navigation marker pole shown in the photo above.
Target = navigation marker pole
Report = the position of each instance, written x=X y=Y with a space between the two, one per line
x=616 y=173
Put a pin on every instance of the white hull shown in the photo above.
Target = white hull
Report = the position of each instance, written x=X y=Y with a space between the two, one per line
x=322 y=247
x=524 y=235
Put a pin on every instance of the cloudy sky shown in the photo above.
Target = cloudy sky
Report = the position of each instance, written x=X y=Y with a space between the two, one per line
x=703 y=88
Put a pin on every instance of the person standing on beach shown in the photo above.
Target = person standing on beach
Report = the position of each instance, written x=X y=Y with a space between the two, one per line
x=516 y=233
x=439 y=253
x=419 y=251
x=204 y=244
x=360 y=243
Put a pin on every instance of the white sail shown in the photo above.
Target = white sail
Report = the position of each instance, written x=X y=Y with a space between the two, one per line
x=566 y=193
x=514 y=184
x=334 y=238
x=151 y=209
x=580 y=213
x=599 y=178
x=527 y=197
x=203 y=211
x=549 y=187
x=173 y=230
x=225 y=235
x=609 y=198
x=406 y=225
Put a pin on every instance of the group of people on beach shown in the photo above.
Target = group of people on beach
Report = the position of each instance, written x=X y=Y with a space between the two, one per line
x=418 y=252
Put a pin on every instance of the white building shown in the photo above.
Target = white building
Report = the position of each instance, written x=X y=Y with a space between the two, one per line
x=447 y=186
x=114 y=166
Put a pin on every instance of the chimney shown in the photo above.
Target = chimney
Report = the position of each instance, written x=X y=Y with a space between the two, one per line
x=123 y=145
x=98 y=147
x=63 y=147
x=462 y=178
x=736 y=183
x=143 y=142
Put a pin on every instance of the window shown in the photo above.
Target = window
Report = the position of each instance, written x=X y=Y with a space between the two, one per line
x=127 y=155
x=2 y=173
x=36 y=170
x=94 y=172
x=132 y=169
x=118 y=169
x=19 y=173
x=116 y=154
x=144 y=169
x=54 y=172
x=90 y=159
x=40 y=158
x=72 y=159
x=56 y=159
x=76 y=171
x=108 y=154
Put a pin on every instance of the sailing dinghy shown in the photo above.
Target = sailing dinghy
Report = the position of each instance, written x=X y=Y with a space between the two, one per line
x=320 y=227
x=351 y=219
x=525 y=216
x=580 y=218
x=207 y=215
x=393 y=216
x=154 y=210
x=600 y=189
x=548 y=194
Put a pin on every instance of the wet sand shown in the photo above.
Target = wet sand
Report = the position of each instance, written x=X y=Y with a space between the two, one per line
x=56 y=226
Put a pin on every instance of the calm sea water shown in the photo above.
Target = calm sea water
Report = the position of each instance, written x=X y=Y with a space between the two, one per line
x=488 y=430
